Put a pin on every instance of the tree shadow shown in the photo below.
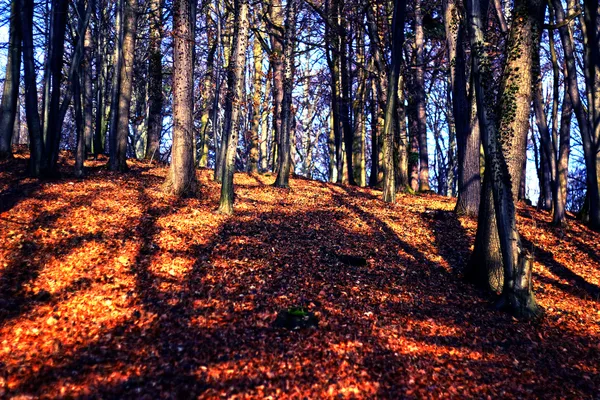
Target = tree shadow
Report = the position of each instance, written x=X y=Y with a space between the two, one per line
x=579 y=288
x=213 y=335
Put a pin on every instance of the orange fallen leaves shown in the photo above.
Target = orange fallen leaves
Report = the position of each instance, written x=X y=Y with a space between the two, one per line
x=109 y=288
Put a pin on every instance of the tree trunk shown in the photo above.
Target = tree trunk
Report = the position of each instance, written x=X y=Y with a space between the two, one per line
x=465 y=122
x=420 y=99
x=358 y=145
x=88 y=102
x=256 y=100
x=590 y=139
x=101 y=82
x=389 y=186
x=401 y=140
x=36 y=144
x=287 y=117
x=155 y=80
x=234 y=94
x=276 y=34
x=119 y=161
x=116 y=86
x=53 y=124
x=181 y=180
x=10 y=94
x=505 y=139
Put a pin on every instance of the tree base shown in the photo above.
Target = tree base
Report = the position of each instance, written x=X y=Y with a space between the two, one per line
x=518 y=298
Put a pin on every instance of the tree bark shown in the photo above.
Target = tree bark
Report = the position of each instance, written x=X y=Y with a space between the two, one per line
x=420 y=99
x=389 y=186
x=465 y=118
x=10 y=94
x=505 y=139
x=53 y=124
x=234 y=95
x=36 y=144
x=256 y=100
x=287 y=118
x=119 y=161
x=181 y=180
x=155 y=83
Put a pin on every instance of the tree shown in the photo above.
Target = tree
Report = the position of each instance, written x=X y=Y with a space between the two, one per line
x=10 y=94
x=505 y=138
x=36 y=143
x=389 y=186
x=467 y=133
x=287 y=119
x=155 y=82
x=420 y=99
x=181 y=180
x=235 y=74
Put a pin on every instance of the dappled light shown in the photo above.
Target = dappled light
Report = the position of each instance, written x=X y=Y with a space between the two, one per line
x=110 y=288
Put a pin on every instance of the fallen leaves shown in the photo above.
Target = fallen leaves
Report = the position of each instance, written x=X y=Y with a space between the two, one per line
x=109 y=288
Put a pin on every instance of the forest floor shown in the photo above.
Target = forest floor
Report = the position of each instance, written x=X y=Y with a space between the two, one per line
x=110 y=289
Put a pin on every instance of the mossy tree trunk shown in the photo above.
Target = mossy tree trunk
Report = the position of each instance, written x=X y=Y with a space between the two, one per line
x=505 y=136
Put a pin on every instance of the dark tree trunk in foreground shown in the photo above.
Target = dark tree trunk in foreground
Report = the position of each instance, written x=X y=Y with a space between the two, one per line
x=235 y=78
x=182 y=180
x=505 y=140
x=10 y=94
x=36 y=144
x=287 y=119
x=389 y=186
x=53 y=124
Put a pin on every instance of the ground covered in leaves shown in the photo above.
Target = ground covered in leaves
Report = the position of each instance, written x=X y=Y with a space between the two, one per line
x=108 y=288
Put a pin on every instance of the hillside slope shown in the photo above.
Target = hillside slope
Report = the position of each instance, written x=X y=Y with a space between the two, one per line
x=108 y=288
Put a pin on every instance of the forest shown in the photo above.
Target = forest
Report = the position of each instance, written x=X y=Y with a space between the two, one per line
x=300 y=199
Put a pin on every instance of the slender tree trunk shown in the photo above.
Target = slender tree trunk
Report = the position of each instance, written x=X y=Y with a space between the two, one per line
x=287 y=116
x=264 y=127
x=10 y=94
x=116 y=85
x=564 y=148
x=234 y=95
x=401 y=140
x=389 y=185
x=345 y=107
x=208 y=93
x=101 y=82
x=79 y=121
x=358 y=145
x=88 y=101
x=276 y=34
x=333 y=171
x=53 y=124
x=420 y=98
x=254 y=138
x=155 y=80
x=590 y=139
